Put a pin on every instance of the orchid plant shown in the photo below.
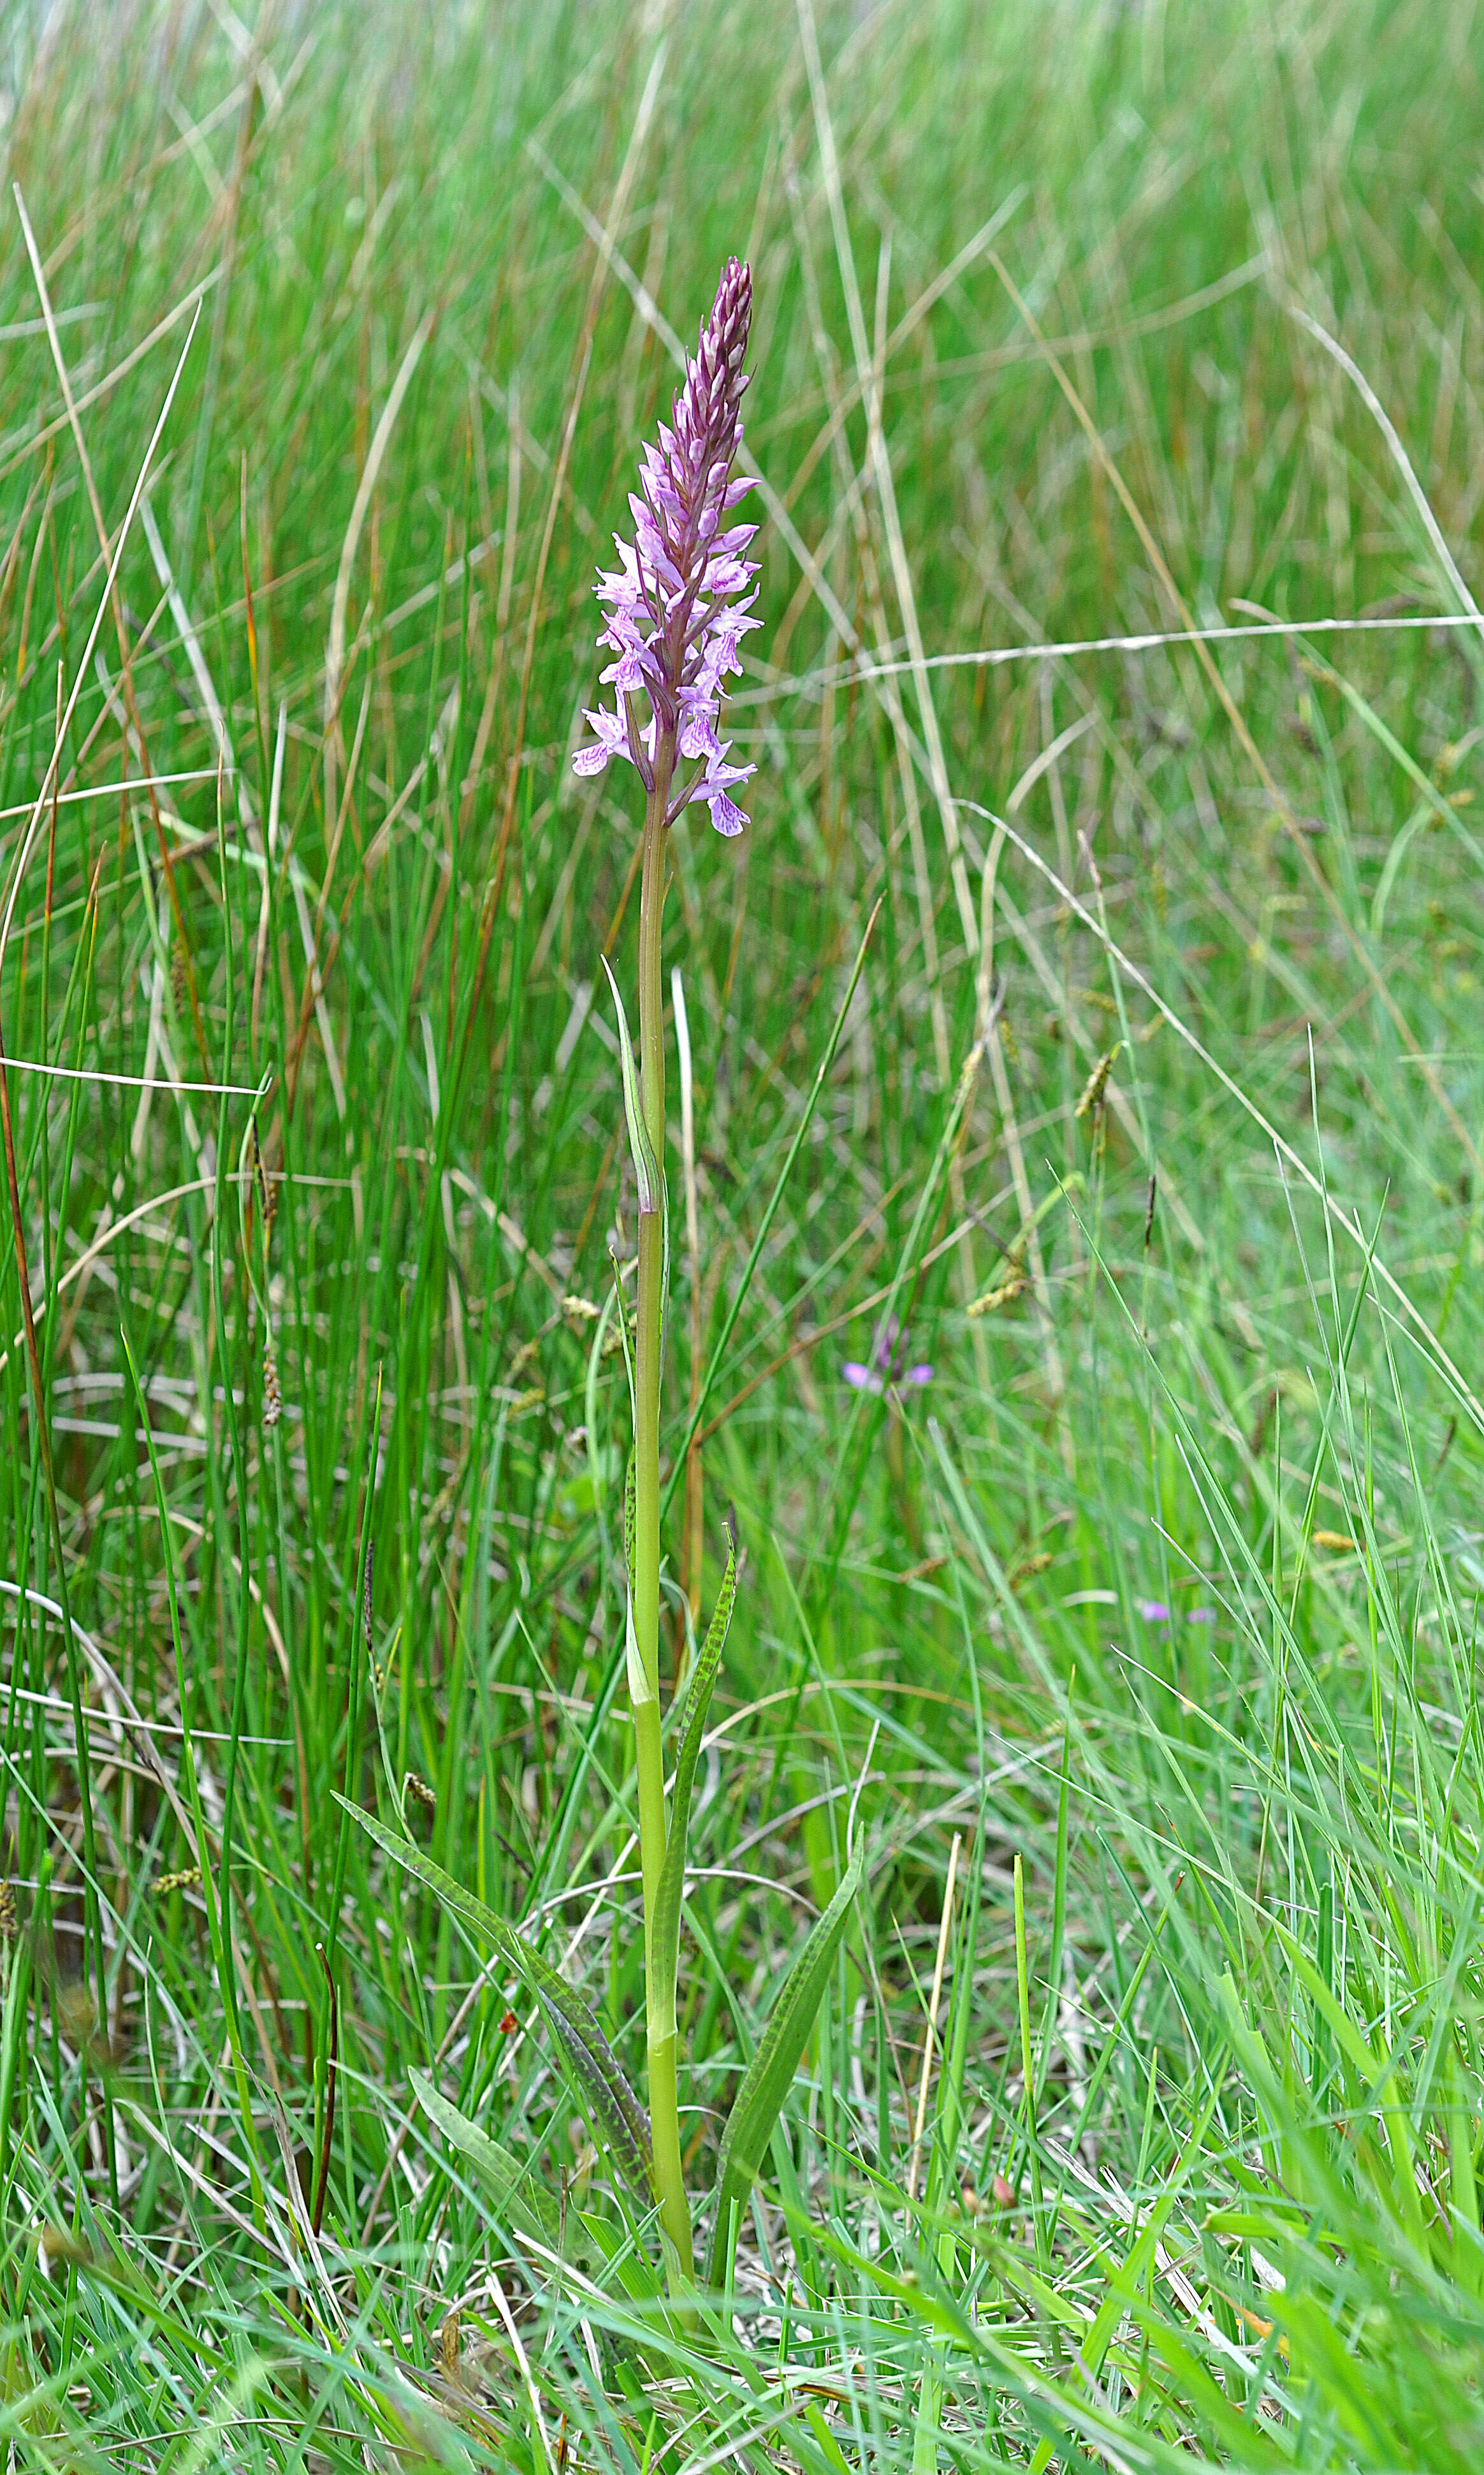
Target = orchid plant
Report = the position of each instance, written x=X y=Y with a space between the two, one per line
x=677 y=609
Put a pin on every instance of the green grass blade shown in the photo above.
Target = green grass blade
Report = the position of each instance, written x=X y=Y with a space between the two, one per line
x=665 y=1957
x=770 y=2074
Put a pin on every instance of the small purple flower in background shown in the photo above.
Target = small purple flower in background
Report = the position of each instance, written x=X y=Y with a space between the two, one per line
x=1154 y=1612
x=679 y=604
x=886 y=1366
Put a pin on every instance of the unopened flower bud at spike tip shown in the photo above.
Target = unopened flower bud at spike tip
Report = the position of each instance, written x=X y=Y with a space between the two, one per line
x=680 y=599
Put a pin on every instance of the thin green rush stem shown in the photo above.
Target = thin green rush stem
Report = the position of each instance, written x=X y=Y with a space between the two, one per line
x=649 y=1340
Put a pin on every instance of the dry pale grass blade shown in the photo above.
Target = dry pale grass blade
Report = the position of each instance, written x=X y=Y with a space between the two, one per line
x=371 y=474
x=1283 y=806
x=108 y=1081
x=114 y=790
x=314 y=996
x=881 y=466
x=1446 y=562
x=105 y=386
x=989 y=1007
x=930 y=2039
x=85 y=664
x=866 y=667
x=1419 y=1329
x=198 y=667
x=121 y=632
x=270 y=854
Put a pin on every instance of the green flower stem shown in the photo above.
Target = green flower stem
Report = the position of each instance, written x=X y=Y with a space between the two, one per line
x=645 y=1579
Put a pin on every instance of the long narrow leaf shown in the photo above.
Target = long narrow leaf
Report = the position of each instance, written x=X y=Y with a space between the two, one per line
x=666 y=1907
x=527 y=2208
x=470 y=1911
x=594 y=2066
x=626 y=1335
x=601 y=2082
x=647 y=1168
x=770 y=2074
x=518 y=2197
x=637 y=1684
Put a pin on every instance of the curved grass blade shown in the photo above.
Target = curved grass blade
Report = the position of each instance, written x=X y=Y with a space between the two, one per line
x=806 y=1120
x=616 y=2110
x=666 y=1907
x=769 y=2076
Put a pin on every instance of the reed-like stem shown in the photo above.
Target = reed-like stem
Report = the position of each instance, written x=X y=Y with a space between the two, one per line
x=645 y=1579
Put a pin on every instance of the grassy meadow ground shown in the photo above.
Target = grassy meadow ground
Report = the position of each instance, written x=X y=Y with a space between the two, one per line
x=1145 y=1632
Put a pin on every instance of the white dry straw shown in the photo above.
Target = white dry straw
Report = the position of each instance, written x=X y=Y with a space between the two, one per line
x=989 y=657
x=931 y=2035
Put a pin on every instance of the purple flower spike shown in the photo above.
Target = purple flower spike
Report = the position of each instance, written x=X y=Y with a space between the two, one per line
x=1153 y=1610
x=678 y=603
